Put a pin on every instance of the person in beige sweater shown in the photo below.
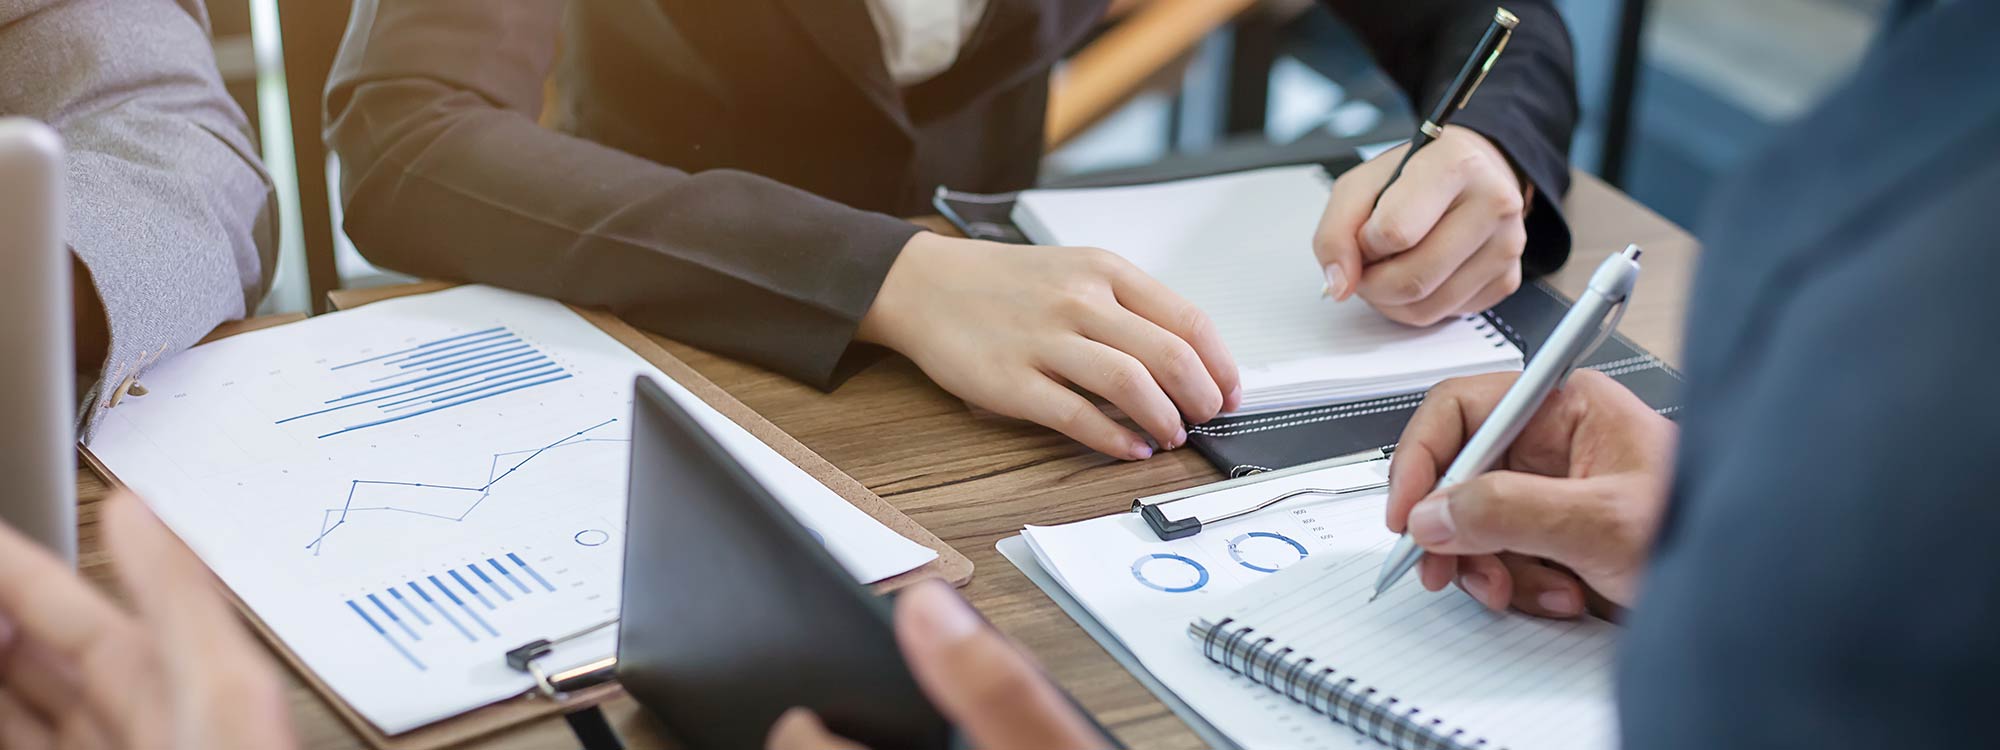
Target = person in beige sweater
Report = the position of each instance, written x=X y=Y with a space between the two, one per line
x=172 y=220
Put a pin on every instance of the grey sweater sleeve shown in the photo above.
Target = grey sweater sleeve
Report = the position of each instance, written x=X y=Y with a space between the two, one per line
x=168 y=206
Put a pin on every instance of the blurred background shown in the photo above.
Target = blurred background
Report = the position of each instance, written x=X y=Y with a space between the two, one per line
x=1674 y=92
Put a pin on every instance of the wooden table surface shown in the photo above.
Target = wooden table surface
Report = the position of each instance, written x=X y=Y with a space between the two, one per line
x=973 y=480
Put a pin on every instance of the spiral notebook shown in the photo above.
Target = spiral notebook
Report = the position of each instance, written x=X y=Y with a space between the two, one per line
x=1258 y=630
x=1275 y=439
x=1239 y=246
x=1415 y=670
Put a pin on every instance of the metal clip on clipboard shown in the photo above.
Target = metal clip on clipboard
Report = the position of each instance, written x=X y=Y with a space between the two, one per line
x=527 y=658
x=1169 y=529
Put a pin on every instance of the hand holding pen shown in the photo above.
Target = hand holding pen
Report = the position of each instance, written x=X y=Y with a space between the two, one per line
x=1579 y=469
x=1436 y=227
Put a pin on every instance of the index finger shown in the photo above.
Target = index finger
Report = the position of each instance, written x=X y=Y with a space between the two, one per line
x=1434 y=435
x=206 y=651
x=1139 y=292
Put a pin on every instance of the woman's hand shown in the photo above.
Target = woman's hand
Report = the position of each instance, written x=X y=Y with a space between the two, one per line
x=1573 y=503
x=1011 y=328
x=1445 y=240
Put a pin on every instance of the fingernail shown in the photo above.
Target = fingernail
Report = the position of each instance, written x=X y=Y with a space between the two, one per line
x=1336 y=281
x=1475 y=584
x=1234 y=399
x=1140 y=450
x=942 y=614
x=1557 y=601
x=1430 y=521
x=1180 y=438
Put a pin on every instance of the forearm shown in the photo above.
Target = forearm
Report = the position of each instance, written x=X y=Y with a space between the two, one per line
x=446 y=175
x=170 y=219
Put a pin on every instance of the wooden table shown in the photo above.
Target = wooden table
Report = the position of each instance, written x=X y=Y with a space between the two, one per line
x=973 y=480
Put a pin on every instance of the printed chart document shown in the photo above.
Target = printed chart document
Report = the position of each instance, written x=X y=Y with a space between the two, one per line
x=1239 y=246
x=405 y=491
x=1146 y=592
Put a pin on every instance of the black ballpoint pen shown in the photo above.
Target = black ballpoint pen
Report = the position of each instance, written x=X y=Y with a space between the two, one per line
x=1469 y=77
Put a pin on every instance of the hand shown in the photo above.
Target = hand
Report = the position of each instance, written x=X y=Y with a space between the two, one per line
x=1010 y=328
x=1573 y=503
x=1446 y=239
x=985 y=686
x=76 y=671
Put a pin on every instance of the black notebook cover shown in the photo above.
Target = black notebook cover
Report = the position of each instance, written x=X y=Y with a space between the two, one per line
x=1275 y=440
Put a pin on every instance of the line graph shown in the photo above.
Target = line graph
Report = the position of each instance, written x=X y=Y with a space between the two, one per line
x=437 y=375
x=332 y=519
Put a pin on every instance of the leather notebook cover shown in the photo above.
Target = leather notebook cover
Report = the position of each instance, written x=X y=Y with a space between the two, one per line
x=1276 y=440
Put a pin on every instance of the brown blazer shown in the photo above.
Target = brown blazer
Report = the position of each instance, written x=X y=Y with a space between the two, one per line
x=729 y=173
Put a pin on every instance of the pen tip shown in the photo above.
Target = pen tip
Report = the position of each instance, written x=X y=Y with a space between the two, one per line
x=1373 y=597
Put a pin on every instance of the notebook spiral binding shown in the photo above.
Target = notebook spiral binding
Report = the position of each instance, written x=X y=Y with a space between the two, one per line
x=1365 y=710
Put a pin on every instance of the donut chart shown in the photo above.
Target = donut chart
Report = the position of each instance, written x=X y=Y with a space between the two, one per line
x=1171 y=573
x=1265 y=551
x=592 y=537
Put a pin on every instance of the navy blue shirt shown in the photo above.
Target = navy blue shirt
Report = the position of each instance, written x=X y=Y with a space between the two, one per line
x=1828 y=574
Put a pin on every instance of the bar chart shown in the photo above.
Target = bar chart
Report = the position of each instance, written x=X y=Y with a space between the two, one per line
x=456 y=604
x=433 y=376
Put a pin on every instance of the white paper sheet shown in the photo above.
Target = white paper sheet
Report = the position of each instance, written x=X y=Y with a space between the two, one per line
x=405 y=491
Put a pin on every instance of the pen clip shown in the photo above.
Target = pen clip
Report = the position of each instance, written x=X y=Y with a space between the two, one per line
x=1506 y=22
x=1603 y=334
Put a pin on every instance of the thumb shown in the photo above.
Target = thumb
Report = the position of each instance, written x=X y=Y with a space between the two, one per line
x=1576 y=522
x=980 y=681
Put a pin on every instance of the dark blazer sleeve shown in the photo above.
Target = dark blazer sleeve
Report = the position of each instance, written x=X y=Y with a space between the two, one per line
x=1527 y=105
x=432 y=109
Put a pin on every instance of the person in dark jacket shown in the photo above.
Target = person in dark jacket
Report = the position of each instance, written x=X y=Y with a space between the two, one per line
x=732 y=175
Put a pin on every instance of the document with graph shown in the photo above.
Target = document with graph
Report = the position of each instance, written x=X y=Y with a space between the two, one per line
x=405 y=491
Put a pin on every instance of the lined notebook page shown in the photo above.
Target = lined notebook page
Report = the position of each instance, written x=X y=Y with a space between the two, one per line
x=1240 y=247
x=1517 y=681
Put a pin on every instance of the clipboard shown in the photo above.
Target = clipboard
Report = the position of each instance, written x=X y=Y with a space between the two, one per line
x=950 y=565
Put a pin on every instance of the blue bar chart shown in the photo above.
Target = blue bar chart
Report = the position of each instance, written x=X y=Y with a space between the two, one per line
x=431 y=377
x=457 y=604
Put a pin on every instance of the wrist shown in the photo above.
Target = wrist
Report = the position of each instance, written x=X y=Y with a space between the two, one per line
x=887 y=315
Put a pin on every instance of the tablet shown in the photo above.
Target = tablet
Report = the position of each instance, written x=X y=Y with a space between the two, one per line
x=37 y=359
x=734 y=612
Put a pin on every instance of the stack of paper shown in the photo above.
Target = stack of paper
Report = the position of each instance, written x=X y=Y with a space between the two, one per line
x=1239 y=246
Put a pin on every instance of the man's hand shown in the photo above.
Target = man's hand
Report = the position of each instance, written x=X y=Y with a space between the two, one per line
x=76 y=671
x=986 y=687
x=1578 y=496
x=1011 y=328
x=1446 y=239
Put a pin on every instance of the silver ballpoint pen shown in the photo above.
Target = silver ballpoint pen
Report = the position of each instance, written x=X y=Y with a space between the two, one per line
x=1592 y=319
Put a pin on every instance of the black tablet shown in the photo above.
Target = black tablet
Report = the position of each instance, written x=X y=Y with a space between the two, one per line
x=734 y=613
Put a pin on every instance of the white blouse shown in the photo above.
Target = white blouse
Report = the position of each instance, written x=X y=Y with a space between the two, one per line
x=922 y=38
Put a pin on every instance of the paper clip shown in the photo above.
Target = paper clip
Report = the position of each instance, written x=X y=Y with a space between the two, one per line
x=1169 y=529
x=527 y=658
